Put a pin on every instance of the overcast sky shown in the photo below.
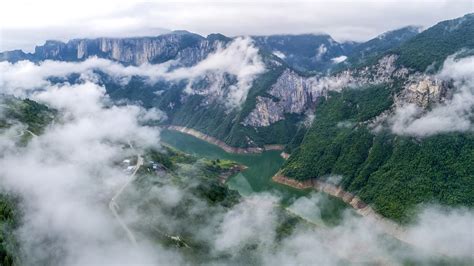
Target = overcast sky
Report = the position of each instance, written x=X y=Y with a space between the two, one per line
x=24 y=24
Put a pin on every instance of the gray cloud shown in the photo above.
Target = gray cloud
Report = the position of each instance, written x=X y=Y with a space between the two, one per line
x=345 y=20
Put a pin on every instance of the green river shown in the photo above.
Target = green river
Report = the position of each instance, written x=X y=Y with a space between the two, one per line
x=257 y=177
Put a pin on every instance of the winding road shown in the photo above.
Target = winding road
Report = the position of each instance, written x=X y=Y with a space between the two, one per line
x=114 y=207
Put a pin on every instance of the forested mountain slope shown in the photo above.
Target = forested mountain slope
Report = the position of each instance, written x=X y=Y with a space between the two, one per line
x=403 y=142
x=273 y=103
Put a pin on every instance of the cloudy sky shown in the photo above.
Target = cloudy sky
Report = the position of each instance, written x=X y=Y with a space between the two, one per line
x=26 y=23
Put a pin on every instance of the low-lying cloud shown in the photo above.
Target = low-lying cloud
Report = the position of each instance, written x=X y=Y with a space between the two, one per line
x=453 y=115
x=67 y=176
x=439 y=233
x=239 y=59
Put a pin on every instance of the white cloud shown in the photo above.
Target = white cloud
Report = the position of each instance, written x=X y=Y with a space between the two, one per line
x=279 y=54
x=239 y=58
x=308 y=207
x=339 y=59
x=444 y=231
x=454 y=115
x=67 y=175
x=25 y=23
x=358 y=240
x=251 y=221
x=322 y=49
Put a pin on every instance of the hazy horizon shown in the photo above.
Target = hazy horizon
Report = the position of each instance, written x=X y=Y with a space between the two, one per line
x=24 y=25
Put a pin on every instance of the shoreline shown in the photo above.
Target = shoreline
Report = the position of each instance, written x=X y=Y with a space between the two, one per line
x=352 y=200
x=221 y=144
x=223 y=177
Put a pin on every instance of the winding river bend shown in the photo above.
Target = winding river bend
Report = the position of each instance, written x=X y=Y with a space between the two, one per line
x=257 y=178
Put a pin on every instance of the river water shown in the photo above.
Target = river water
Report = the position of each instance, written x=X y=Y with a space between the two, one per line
x=257 y=178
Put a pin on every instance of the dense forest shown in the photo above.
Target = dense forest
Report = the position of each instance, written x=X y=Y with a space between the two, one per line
x=30 y=113
x=9 y=218
x=394 y=173
x=36 y=117
x=432 y=46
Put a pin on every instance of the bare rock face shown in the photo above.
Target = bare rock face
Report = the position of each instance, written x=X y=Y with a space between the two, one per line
x=192 y=55
x=184 y=47
x=295 y=94
x=291 y=94
x=141 y=50
x=81 y=49
x=266 y=112
x=424 y=90
x=213 y=86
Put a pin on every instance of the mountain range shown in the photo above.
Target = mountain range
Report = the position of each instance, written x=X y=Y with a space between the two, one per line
x=357 y=110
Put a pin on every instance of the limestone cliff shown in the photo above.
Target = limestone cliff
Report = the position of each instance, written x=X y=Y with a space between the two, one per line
x=294 y=94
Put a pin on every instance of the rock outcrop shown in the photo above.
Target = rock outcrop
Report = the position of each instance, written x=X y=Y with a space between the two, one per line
x=184 y=47
x=294 y=94
x=424 y=90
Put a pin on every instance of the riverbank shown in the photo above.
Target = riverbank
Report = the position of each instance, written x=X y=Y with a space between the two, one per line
x=281 y=179
x=232 y=171
x=223 y=145
x=352 y=200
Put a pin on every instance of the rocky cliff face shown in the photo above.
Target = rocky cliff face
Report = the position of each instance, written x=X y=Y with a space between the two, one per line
x=266 y=112
x=424 y=90
x=294 y=94
x=210 y=89
x=290 y=94
x=184 y=47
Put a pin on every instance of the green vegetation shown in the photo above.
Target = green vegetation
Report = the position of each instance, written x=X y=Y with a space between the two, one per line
x=36 y=117
x=169 y=157
x=198 y=201
x=206 y=172
x=33 y=114
x=432 y=46
x=214 y=119
x=8 y=222
x=393 y=173
x=369 y=52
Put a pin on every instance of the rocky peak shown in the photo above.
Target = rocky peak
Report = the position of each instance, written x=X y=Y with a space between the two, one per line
x=424 y=90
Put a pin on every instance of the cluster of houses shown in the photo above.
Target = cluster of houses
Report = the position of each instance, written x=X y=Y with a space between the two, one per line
x=129 y=168
x=151 y=164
